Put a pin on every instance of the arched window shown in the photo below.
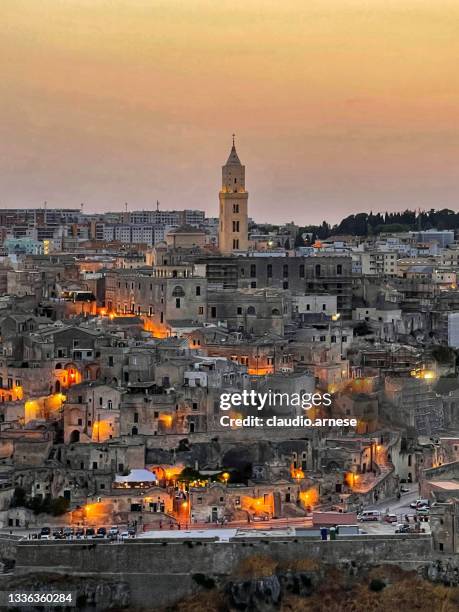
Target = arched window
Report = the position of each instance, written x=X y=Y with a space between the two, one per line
x=275 y=312
x=178 y=292
x=134 y=431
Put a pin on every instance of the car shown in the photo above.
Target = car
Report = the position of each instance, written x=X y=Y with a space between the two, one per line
x=58 y=534
x=113 y=531
x=101 y=533
x=45 y=531
x=68 y=532
x=90 y=532
x=79 y=533
x=402 y=528
x=419 y=502
x=369 y=515
x=132 y=532
x=45 y=536
x=260 y=517
x=422 y=511
x=124 y=535
x=404 y=490
x=390 y=518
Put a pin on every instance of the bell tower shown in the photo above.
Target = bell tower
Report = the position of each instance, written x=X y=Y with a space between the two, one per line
x=233 y=228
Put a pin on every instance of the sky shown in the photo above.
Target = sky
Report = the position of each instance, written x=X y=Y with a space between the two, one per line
x=339 y=106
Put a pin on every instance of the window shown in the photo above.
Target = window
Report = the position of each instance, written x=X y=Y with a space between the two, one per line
x=285 y=270
x=136 y=417
x=285 y=285
x=235 y=226
x=253 y=271
x=177 y=302
x=178 y=292
x=301 y=271
x=198 y=290
x=201 y=310
x=269 y=270
x=235 y=208
x=110 y=361
x=239 y=310
x=235 y=244
x=101 y=401
x=213 y=312
x=251 y=310
x=317 y=270
x=339 y=269
x=253 y=285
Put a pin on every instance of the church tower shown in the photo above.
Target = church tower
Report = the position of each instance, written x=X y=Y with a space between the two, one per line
x=233 y=228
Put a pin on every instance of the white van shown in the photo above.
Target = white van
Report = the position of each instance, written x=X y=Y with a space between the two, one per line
x=369 y=515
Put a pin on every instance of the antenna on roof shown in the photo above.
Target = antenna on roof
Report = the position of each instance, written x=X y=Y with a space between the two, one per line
x=126 y=206
x=157 y=205
x=234 y=136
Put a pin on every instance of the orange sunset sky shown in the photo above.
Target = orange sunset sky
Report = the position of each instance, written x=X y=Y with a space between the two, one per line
x=339 y=106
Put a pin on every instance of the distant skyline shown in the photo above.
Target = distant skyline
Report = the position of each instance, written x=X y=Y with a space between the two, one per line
x=339 y=106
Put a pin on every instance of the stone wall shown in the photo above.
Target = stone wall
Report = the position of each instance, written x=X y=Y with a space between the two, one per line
x=162 y=570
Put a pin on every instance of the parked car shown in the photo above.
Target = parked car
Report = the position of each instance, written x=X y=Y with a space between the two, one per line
x=124 y=535
x=68 y=532
x=260 y=517
x=45 y=531
x=390 y=518
x=113 y=531
x=422 y=511
x=90 y=532
x=79 y=533
x=404 y=489
x=419 y=502
x=369 y=515
x=132 y=532
x=401 y=528
x=101 y=533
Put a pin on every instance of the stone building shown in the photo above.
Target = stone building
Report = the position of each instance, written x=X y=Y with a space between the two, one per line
x=233 y=212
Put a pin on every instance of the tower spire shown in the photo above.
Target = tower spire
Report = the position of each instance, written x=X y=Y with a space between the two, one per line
x=233 y=158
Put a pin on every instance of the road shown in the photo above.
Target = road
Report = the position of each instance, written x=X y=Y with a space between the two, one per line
x=400 y=507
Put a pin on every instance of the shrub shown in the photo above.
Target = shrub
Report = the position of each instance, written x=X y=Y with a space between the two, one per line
x=204 y=581
x=377 y=585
